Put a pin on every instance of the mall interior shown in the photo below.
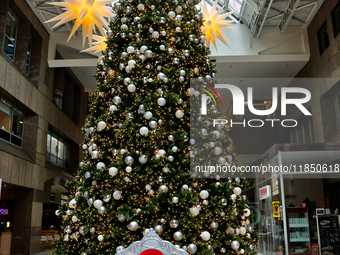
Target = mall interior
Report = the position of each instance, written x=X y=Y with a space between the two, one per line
x=44 y=87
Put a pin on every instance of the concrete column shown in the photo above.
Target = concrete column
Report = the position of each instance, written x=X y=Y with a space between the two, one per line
x=27 y=218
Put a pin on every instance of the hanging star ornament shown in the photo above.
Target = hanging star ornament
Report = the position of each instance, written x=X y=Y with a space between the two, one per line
x=88 y=13
x=98 y=46
x=214 y=22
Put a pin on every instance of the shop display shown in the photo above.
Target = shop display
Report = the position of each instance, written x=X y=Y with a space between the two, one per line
x=298 y=230
x=328 y=234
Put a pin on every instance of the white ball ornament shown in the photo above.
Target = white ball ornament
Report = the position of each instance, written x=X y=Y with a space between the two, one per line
x=100 y=238
x=131 y=63
x=161 y=152
x=133 y=226
x=100 y=165
x=235 y=245
x=143 y=48
x=101 y=125
x=72 y=203
x=155 y=35
x=57 y=212
x=179 y=114
x=158 y=229
x=84 y=146
x=175 y=200
x=217 y=150
x=113 y=171
x=74 y=218
x=142 y=159
x=143 y=130
x=178 y=236
x=237 y=190
x=172 y=14
x=204 y=194
x=130 y=49
x=94 y=154
x=148 y=115
x=161 y=101
x=185 y=187
x=101 y=209
x=192 y=248
x=131 y=88
x=194 y=211
x=205 y=236
x=117 y=195
x=113 y=108
x=163 y=188
x=242 y=230
x=97 y=203
x=242 y=251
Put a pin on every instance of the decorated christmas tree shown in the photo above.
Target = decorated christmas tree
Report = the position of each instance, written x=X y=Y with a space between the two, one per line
x=138 y=143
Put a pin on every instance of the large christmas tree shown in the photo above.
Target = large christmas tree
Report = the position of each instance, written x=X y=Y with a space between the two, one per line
x=136 y=170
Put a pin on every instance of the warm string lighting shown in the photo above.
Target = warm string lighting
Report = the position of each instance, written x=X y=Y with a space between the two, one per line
x=122 y=132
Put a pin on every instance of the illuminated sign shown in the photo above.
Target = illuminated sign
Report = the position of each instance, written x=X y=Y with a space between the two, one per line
x=265 y=192
x=4 y=212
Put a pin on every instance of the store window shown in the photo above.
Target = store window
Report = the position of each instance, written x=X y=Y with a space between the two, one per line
x=10 y=34
x=303 y=132
x=323 y=37
x=28 y=58
x=58 y=149
x=11 y=123
x=336 y=19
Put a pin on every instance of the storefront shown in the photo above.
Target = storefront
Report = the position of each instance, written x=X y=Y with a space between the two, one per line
x=299 y=208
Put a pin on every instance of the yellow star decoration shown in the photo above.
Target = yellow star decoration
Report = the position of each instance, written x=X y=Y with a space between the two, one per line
x=213 y=22
x=88 y=13
x=98 y=46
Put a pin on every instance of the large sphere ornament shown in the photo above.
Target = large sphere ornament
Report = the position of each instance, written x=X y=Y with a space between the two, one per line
x=113 y=171
x=117 y=195
x=100 y=238
x=72 y=203
x=101 y=209
x=82 y=163
x=161 y=76
x=140 y=7
x=217 y=150
x=131 y=63
x=242 y=230
x=90 y=201
x=124 y=54
x=179 y=114
x=121 y=217
x=127 y=81
x=113 y=108
x=194 y=211
x=161 y=152
x=178 y=236
x=171 y=50
x=235 y=245
x=131 y=88
x=172 y=15
x=97 y=203
x=179 y=9
x=242 y=251
x=148 y=53
x=148 y=115
x=246 y=212
x=163 y=188
x=84 y=146
x=171 y=158
x=124 y=27
x=155 y=34
x=175 y=200
x=161 y=101
x=153 y=124
x=205 y=236
x=237 y=190
x=158 y=229
x=133 y=226
x=101 y=125
x=117 y=99
x=204 y=194
x=143 y=130
x=87 y=175
x=100 y=165
x=94 y=154
x=214 y=225
x=69 y=212
x=74 y=218
x=192 y=248
x=185 y=187
x=142 y=159
x=129 y=160
x=143 y=48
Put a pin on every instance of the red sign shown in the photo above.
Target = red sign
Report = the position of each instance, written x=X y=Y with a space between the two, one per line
x=265 y=192
x=314 y=249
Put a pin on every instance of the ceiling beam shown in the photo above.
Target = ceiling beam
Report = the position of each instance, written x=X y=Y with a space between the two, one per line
x=84 y=62
x=297 y=9
x=288 y=14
